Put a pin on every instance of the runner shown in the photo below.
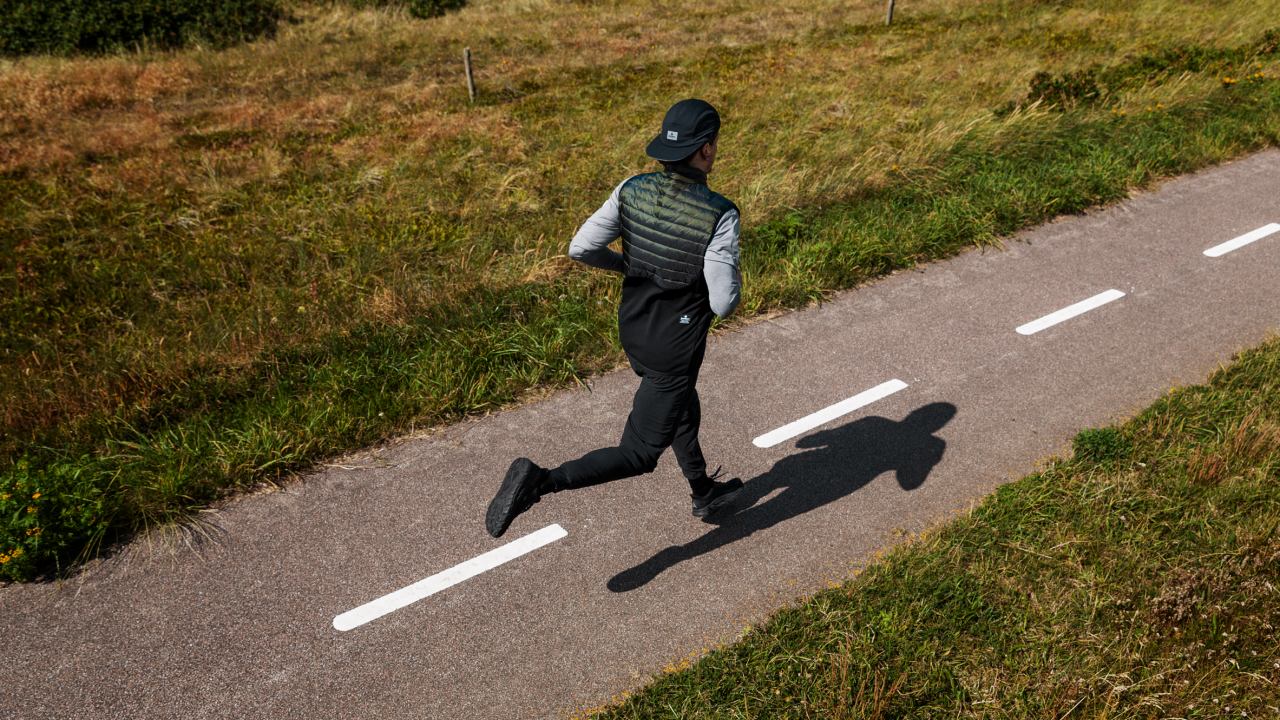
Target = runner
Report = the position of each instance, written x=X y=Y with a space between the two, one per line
x=679 y=263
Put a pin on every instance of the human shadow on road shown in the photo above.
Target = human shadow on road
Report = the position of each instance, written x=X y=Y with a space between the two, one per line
x=838 y=462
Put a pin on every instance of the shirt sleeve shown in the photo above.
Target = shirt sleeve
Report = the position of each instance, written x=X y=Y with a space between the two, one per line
x=590 y=246
x=720 y=266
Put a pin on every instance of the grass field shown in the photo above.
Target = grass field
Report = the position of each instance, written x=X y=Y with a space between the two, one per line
x=1138 y=579
x=221 y=266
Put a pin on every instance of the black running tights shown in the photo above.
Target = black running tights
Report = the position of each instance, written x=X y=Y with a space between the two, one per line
x=665 y=413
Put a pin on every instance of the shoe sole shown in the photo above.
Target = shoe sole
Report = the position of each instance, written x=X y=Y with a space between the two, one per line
x=718 y=503
x=499 y=516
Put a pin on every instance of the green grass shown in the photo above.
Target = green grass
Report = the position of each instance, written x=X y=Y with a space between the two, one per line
x=208 y=295
x=1139 y=579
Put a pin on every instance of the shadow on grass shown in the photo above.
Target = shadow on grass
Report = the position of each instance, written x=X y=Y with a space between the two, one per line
x=838 y=462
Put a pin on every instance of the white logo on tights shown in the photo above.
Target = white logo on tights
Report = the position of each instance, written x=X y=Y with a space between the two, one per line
x=684 y=319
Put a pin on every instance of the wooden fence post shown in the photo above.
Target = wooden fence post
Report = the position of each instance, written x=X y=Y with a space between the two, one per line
x=471 y=80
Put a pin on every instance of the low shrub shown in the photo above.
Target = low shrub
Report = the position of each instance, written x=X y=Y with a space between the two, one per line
x=1066 y=90
x=416 y=8
x=95 y=26
x=47 y=517
x=1103 y=446
x=1098 y=82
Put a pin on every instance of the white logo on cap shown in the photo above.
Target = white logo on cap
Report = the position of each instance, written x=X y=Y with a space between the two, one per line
x=673 y=135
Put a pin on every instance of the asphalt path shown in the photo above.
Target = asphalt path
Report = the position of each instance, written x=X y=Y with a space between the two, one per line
x=613 y=583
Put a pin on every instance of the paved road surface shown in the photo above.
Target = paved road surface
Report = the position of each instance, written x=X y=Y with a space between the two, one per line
x=242 y=625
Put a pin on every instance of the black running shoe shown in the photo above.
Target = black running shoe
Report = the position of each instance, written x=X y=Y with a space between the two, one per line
x=721 y=494
x=518 y=492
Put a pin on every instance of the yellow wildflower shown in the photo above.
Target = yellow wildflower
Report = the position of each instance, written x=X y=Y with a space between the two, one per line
x=32 y=532
x=4 y=496
x=31 y=508
x=35 y=496
x=17 y=552
x=3 y=558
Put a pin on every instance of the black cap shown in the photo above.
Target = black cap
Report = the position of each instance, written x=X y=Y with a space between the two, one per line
x=689 y=125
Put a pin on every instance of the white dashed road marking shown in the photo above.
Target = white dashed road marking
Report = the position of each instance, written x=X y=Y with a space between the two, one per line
x=1069 y=312
x=827 y=414
x=443 y=580
x=1245 y=239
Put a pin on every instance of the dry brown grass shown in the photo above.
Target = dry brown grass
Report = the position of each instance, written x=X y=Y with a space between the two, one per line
x=1252 y=442
x=338 y=63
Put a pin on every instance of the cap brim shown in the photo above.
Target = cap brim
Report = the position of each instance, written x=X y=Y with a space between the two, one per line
x=661 y=150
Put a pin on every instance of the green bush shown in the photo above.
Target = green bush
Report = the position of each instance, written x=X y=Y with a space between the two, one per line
x=95 y=26
x=1103 y=446
x=1066 y=90
x=1099 y=82
x=416 y=8
x=48 y=516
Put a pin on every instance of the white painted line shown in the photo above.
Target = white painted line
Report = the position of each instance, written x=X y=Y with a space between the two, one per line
x=827 y=414
x=1245 y=239
x=443 y=580
x=1069 y=312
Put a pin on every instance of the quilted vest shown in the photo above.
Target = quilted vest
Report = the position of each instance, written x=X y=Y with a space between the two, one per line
x=667 y=222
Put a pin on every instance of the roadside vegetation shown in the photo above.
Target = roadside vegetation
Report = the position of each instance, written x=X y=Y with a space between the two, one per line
x=1138 y=579
x=220 y=266
x=95 y=26
x=65 y=27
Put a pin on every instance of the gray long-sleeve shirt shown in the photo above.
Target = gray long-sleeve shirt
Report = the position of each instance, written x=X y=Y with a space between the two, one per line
x=590 y=246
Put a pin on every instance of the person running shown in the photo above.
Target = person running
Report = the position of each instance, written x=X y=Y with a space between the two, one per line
x=679 y=266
